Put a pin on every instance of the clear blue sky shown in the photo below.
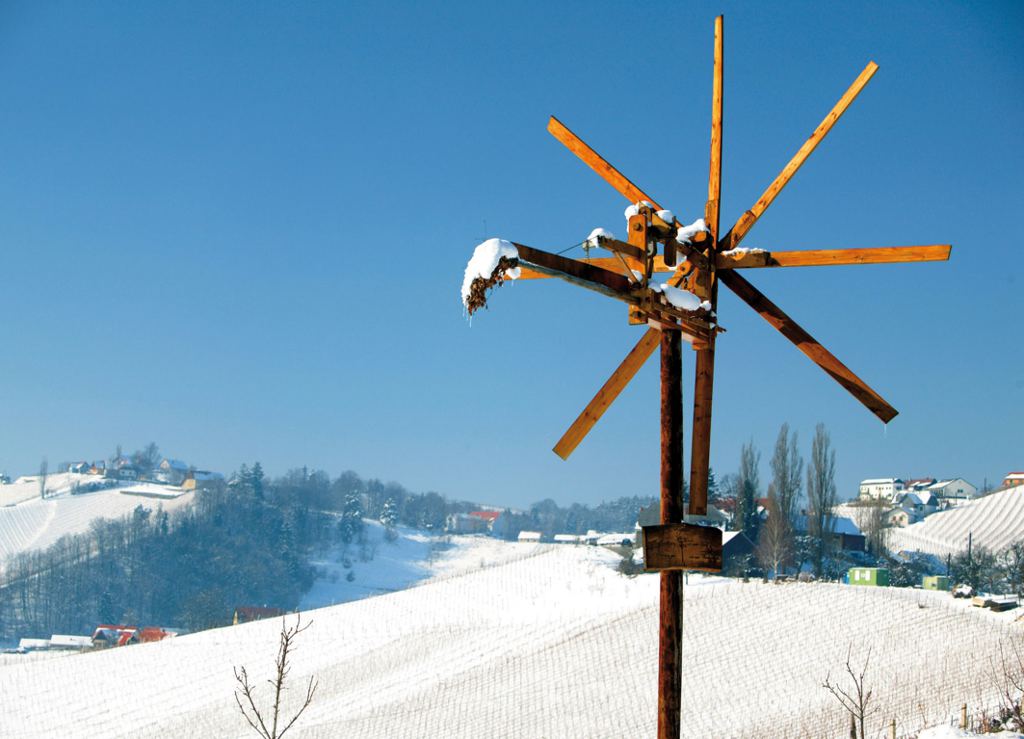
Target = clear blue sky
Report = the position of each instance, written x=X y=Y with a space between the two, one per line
x=239 y=229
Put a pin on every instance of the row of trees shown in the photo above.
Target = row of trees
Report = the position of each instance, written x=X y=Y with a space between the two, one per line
x=790 y=534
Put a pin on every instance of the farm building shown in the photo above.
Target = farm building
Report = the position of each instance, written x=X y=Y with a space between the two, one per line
x=881 y=488
x=245 y=614
x=873 y=576
x=954 y=492
x=735 y=545
x=935 y=582
x=488 y=517
x=845 y=534
x=568 y=539
x=171 y=472
x=203 y=480
x=70 y=641
x=529 y=536
x=113 y=635
x=1013 y=479
x=465 y=523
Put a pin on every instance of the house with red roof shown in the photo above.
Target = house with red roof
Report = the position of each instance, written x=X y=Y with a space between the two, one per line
x=1013 y=479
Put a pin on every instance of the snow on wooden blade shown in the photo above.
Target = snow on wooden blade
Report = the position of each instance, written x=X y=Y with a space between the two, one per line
x=685 y=234
x=594 y=239
x=742 y=250
x=482 y=271
x=679 y=298
x=666 y=215
x=634 y=209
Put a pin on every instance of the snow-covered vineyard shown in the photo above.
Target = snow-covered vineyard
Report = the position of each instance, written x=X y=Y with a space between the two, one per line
x=30 y=522
x=547 y=641
x=994 y=522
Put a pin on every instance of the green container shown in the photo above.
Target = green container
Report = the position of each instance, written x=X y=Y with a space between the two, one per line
x=935 y=582
x=875 y=576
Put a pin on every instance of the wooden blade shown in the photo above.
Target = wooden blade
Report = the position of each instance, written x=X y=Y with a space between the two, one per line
x=821 y=257
x=625 y=372
x=807 y=344
x=748 y=219
x=596 y=162
x=612 y=176
x=579 y=273
x=711 y=211
x=612 y=264
x=704 y=374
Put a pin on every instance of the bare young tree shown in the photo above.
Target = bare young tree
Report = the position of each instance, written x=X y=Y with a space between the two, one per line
x=44 y=467
x=870 y=519
x=1009 y=677
x=821 y=495
x=747 y=485
x=856 y=700
x=775 y=543
x=244 y=693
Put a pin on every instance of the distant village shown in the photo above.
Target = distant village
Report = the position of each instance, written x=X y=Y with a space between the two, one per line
x=166 y=472
x=902 y=502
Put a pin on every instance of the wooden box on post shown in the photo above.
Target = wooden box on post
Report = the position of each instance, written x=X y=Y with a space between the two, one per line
x=682 y=546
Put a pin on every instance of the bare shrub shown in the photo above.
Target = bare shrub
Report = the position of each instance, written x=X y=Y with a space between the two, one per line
x=244 y=693
x=856 y=700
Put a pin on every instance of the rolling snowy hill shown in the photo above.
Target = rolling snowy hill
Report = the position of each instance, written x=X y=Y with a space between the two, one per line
x=552 y=642
x=994 y=522
x=30 y=522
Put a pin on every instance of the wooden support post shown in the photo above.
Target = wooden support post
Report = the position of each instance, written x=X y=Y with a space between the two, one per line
x=670 y=633
x=638 y=238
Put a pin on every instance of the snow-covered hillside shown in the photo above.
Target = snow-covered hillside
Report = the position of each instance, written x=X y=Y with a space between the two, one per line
x=995 y=522
x=28 y=487
x=412 y=557
x=36 y=523
x=554 y=642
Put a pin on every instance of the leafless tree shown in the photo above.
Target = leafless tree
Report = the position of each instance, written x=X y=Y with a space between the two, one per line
x=44 y=467
x=856 y=700
x=870 y=519
x=244 y=693
x=787 y=467
x=821 y=495
x=1009 y=676
x=775 y=543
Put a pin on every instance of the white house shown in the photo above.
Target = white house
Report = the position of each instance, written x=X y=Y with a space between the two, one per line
x=882 y=488
x=954 y=492
x=568 y=539
x=171 y=472
x=900 y=517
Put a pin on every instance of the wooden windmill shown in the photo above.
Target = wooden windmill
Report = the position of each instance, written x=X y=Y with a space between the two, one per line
x=685 y=308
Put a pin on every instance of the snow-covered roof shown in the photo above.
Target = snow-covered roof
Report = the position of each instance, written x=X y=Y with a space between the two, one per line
x=69 y=640
x=207 y=475
x=174 y=464
x=881 y=481
x=841 y=525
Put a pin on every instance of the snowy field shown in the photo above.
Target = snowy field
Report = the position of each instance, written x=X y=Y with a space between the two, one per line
x=995 y=521
x=548 y=641
x=27 y=487
x=35 y=523
x=412 y=558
